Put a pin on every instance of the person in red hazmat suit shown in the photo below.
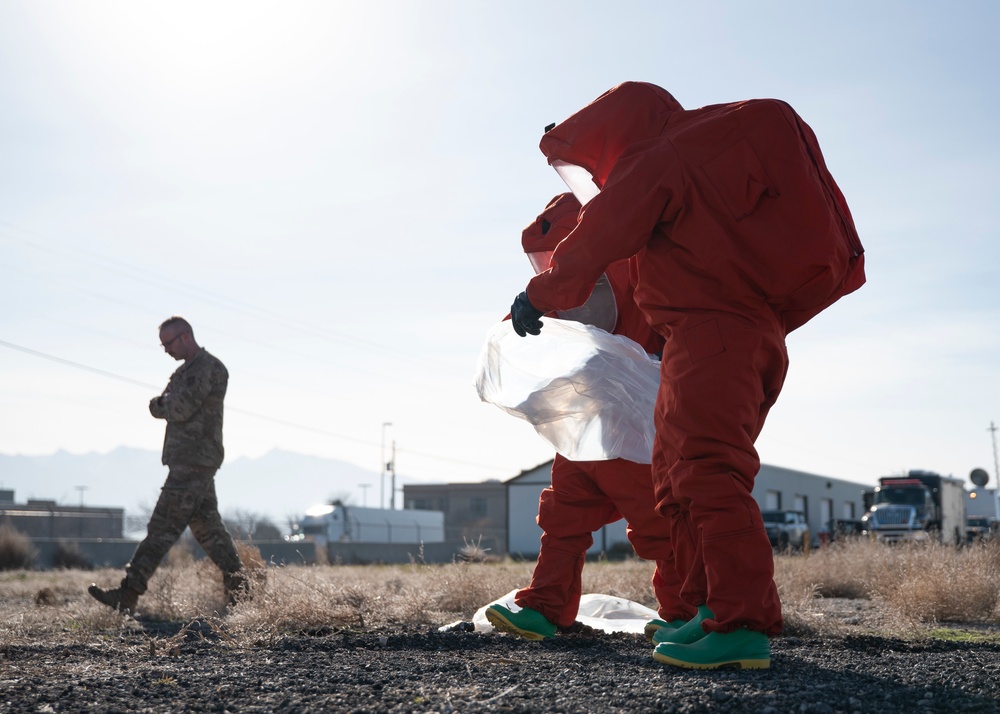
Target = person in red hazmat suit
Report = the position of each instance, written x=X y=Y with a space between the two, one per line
x=739 y=235
x=585 y=496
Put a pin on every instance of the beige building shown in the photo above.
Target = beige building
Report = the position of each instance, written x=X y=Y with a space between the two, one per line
x=473 y=512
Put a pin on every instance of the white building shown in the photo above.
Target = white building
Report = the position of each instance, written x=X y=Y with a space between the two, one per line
x=821 y=498
x=523 y=533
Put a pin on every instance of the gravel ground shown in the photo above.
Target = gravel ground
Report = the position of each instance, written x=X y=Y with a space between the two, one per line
x=167 y=667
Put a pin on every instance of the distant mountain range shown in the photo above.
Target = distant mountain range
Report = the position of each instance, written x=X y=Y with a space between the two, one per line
x=279 y=485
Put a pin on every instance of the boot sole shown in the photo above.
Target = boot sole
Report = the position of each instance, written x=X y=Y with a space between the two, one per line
x=649 y=630
x=504 y=625
x=736 y=663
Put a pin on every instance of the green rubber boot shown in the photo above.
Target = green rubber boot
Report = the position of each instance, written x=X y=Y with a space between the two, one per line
x=743 y=649
x=687 y=633
x=654 y=626
x=527 y=623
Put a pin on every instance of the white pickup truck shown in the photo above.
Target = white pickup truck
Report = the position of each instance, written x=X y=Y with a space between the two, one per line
x=786 y=529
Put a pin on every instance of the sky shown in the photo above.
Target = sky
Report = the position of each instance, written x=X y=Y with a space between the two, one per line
x=333 y=194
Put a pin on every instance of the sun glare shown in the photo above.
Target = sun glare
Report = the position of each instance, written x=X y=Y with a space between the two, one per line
x=207 y=48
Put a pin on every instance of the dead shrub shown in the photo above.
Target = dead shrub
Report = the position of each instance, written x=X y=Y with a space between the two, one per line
x=69 y=556
x=465 y=587
x=313 y=599
x=913 y=584
x=253 y=561
x=839 y=571
x=355 y=602
x=933 y=583
x=46 y=597
x=474 y=552
x=16 y=551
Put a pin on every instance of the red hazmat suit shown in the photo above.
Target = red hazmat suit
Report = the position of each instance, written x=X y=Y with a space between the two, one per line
x=738 y=234
x=585 y=496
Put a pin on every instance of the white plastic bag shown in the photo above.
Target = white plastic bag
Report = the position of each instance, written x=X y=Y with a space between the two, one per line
x=602 y=612
x=587 y=392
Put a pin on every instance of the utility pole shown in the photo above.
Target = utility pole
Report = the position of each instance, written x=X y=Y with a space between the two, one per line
x=392 y=468
x=381 y=502
x=996 y=464
x=364 y=492
x=79 y=518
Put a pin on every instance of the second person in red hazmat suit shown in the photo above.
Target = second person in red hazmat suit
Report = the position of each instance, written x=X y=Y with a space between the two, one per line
x=584 y=496
x=739 y=235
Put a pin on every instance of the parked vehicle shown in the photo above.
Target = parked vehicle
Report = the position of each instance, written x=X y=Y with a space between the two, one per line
x=841 y=528
x=786 y=529
x=918 y=506
x=339 y=523
x=978 y=529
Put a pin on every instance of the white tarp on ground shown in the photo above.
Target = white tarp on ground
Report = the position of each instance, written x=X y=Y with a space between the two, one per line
x=602 y=612
x=589 y=393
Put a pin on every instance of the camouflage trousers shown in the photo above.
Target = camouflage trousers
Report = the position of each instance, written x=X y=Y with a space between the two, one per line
x=186 y=499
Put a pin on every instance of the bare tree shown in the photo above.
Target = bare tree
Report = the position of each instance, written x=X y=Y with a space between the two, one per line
x=292 y=521
x=136 y=522
x=265 y=530
x=241 y=523
x=343 y=497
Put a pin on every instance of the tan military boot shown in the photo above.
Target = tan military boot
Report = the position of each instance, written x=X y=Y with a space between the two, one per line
x=237 y=588
x=122 y=599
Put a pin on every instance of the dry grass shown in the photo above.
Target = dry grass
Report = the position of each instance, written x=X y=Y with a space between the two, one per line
x=831 y=591
x=912 y=586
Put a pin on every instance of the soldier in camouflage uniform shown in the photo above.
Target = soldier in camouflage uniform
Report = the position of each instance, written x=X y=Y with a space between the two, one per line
x=192 y=449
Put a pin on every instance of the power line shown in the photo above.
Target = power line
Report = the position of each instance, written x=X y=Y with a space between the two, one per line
x=77 y=365
x=146 y=277
x=264 y=417
x=402 y=376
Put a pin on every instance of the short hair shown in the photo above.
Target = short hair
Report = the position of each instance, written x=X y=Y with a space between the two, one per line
x=178 y=322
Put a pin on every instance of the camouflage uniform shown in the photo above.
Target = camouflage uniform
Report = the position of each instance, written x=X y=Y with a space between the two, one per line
x=192 y=449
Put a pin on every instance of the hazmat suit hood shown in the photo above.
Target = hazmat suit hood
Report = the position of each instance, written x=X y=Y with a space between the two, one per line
x=553 y=224
x=728 y=207
x=595 y=137
x=540 y=239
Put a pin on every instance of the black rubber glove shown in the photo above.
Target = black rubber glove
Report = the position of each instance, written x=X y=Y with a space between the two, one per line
x=524 y=316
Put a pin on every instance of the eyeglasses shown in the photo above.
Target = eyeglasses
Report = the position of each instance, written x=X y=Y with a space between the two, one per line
x=166 y=345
